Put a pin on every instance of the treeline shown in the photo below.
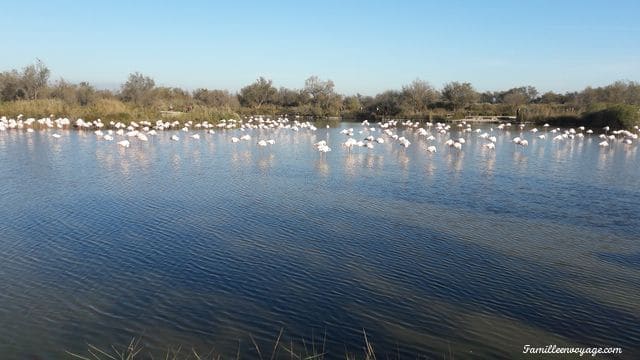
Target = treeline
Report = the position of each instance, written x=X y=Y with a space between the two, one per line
x=30 y=91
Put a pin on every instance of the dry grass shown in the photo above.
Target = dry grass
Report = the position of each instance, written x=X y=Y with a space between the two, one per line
x=313 y=350
x=108 y=110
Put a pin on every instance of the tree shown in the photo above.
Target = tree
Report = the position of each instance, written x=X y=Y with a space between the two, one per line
x=520 y=95
x=386 y=103
x=216 y=98
x=317 y=89
x=322 y=97
x=633 y=93
x=288 y=98
x=137 y=89
x=550 y=98
x=34 y=79
x=352 y=104
x=85 y=93
x=11 y=86
x=489 y=97
x=459 y=95
x=615 y=93
x=64 y=91
x=171 y=98
x=257 y=94
x=417 y=96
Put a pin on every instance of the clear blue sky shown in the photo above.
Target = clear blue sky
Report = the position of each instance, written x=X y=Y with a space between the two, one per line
x=363 y=46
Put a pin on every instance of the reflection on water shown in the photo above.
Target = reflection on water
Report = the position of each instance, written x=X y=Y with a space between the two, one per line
x=351 y=164
x=322 y=167
x=403 y=160
x=175 y=162
x=489 y=163
x=455 y=161
x=265 y=163
x=430 y=168
x=202 y=242
x=520 y=158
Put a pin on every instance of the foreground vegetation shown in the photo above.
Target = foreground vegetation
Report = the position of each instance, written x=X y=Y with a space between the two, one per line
x=314 y=349
x=30 y=92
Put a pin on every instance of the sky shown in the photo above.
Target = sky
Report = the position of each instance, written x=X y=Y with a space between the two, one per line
x=365 y=47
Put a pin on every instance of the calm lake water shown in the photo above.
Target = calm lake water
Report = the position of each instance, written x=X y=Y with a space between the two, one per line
x=201 y=243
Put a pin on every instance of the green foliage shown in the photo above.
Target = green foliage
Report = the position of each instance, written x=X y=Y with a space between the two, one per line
x=554 y=114
x=417 y=97
x=137 y=89
x=386 y=104
x=11 y=88
x=34 y=79
x=216 y=98
x=81 y=94
x=351 y=105
x=459 y=95
x=85 y=93
x=27 y=85
x=28 y=92
x=322 y=97
x=166 y=98
x=550 y=98
x=288 y=98
x=519 y=96
x=259 y=93
x=615 y=116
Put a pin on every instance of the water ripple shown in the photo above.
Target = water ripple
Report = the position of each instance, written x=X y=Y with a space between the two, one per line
x=202 y=242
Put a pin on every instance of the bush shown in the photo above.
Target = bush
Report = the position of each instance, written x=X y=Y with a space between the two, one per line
x=615 y=116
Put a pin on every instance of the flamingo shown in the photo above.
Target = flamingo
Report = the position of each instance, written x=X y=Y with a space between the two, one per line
x=324 y=149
